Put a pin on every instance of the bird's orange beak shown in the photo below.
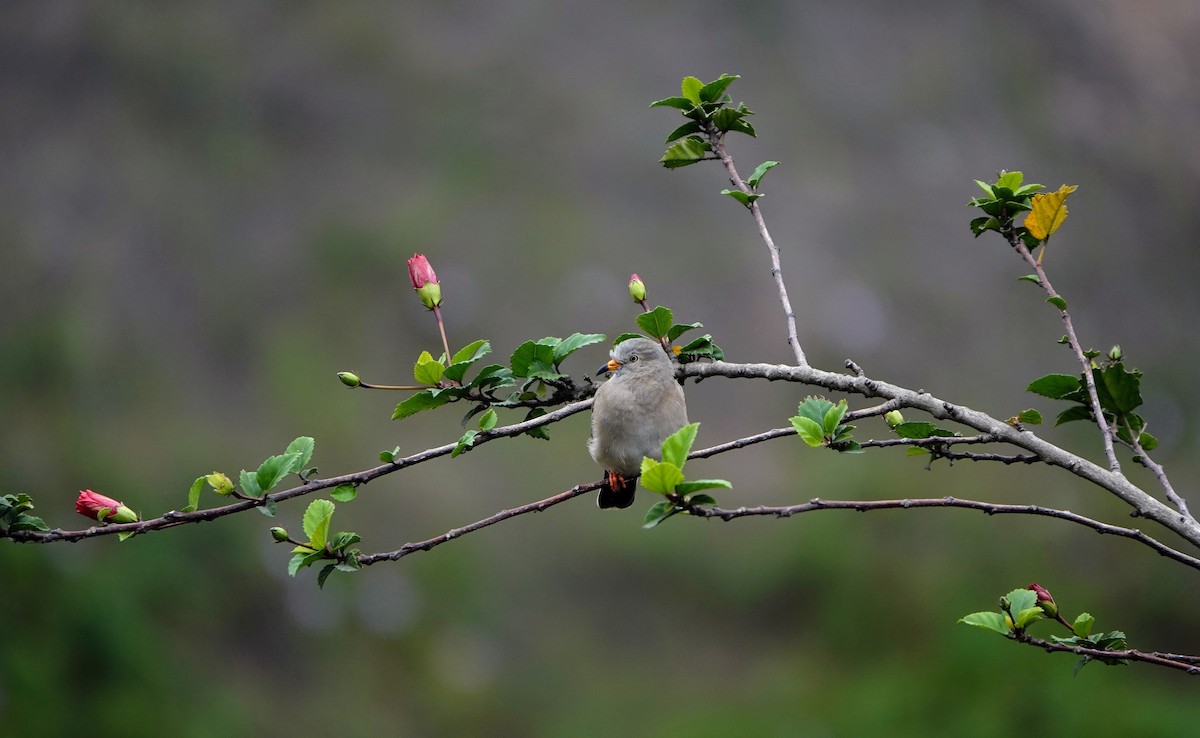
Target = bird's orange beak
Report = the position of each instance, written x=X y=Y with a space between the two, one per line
x=611 y=366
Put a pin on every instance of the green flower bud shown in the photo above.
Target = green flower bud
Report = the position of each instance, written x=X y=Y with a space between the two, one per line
x=349 y=379
x=637 y=288
x=1114 y=354
x=424 y=281
x=220 y=483
x=279 y=534
x=430 y=294
x=893 y=419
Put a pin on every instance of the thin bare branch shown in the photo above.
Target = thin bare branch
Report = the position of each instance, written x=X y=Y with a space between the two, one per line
x=1186 y=664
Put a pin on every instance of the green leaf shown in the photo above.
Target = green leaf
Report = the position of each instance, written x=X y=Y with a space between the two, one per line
x=464 y=443
x=699 y=348
x=194 y=494
x=465 y=357
x=659 y=512
x=1054 y=386
x=915 y=429
x=626 y=337
x=343 y=539
x=1147 y=442
x=690 y=89
x=660 y=477
x=699 y=498
x=712 y=91
x=656 y=323
x=1020 y=600
x=325 y=572
x=809 y=430
x=1010 y=180
x=677 y=445
x=1083 y=625
x=1073 y=413
x=688 y=151
x=536 y=360
x=249 y=484
x=985 y=187
x=316 y=523
x=1030 y=417
x=268 y=508
x=679 y=329
x=1029 y=615
x=674 y=102
x=983 y=224
x=488 y=421
x=304 y=446
x=542 y=432
x=1057 y=302
x=573 y=343
x=695 y=485
x=742 y=197
x=272 y=471
x=427 y=370
x=989 y=620
x=388 y=457
x=759 y=172
x=1124 y=388
x=687 y=129
x=1030 y=278
x=423 y=400
x=833 y=417
x=344 y=492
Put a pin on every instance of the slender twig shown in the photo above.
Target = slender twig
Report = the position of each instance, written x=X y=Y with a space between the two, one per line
x=1173 y=661
x=437 y=313
x=173 y=518
x=1145 y=460
x=1106 y=432
x=501 y=516
x=787 y=511
x=366 y=385
x=718 y=144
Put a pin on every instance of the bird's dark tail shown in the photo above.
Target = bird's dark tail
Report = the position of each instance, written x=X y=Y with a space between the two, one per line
x=617 y=491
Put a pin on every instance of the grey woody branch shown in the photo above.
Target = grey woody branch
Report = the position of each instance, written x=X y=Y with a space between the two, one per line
x=1183 y=663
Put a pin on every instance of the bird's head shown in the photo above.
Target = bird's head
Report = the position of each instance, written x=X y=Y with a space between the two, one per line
x=637 y=354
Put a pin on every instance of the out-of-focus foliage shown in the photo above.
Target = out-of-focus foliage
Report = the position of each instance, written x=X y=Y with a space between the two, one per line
x=205 y=211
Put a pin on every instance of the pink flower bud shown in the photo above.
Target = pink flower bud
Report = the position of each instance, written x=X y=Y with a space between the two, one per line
x=1044 y=599
x=91 y=504
x=424 y=281
x=637 y=288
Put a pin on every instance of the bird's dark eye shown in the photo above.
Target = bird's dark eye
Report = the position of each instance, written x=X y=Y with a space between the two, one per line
x=632 y=358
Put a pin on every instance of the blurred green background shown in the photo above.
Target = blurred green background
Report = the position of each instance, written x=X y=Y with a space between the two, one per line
x=205 y=210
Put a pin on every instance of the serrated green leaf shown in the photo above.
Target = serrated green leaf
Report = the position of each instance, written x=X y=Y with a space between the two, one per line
x=464 y=443
x=660 y=477
x=194 y=494
x=1020 y=600
x=677 y=445
x=343 y=539
x=249 y=484
x=423 y=400
x=731 y=123
x=916 y=451
x=759 y=172
x=712 y=91
x=687 y=129
x=1030 y=417
x=695 y=485
x=659 y=512
x=427 y=370
x=492 y=375
x=687 y=151
x=626 y=337
x=1123 y=388
x=389 y=456
x=325 y=572
x=488 y=421
x=304 y=446
x=742 y=197
x=690 y=89
x=268 y=508
x=1010 y=180
x=988 y=620
x=1030 y=278
x=809 y=430
x=1029 y=615
x=656 y=323
x=682 y=103
x=272 y=471
x=985 y=187
x=699 y=498
x=1147 y=441
x=536 y=360
x=465 y=357
x=679 y=329
x=316 y=523
x=1073 y=413
x=1057 y=302
x=833 y=417
x=1083 y=625
x=573 y=343
x=983 y=224
x=344 y=492
x=915 y=429
x=1054 y=386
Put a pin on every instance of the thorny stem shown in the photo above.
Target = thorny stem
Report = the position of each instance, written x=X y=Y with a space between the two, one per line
x=718 y=143
x=1106 y=431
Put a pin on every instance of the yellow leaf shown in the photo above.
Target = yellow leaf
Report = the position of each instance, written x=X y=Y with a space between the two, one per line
x=1048 y=213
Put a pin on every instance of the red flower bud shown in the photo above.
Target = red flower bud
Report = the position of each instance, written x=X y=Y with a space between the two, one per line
x=90 y=504
x=424 y=281
x=1044 y=599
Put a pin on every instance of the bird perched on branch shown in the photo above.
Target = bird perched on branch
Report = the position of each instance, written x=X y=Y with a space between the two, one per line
x=634 y=412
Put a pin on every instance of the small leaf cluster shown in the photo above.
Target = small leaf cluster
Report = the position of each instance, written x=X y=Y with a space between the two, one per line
x=1020 y=609
x=919 y=430
x=445 y=378
x=818 y=422
x=659 y=325
x=1119 y=392
x=255 y=485
x=14 y=514
x=323 y=545
x=666 y=478
x=708 y=112
x=1004 y=199
x=752 y=182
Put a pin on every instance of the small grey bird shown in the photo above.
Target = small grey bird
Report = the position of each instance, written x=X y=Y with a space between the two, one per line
x=633 y=414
